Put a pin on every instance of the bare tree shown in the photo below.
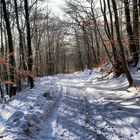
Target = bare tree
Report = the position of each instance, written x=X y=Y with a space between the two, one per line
x=10 y=46
x=30 y=60
x=124 y=62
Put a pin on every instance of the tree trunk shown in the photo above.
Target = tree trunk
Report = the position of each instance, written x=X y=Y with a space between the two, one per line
x=21 y=49
x=124 y=62
x=109 y=32
x=136 y=30
x=30 y=60
x=131 y=40
x=97 y=30
x=10 y=45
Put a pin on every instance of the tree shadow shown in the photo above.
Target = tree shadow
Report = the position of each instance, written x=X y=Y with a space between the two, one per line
x=78 y=119
x=71 y=118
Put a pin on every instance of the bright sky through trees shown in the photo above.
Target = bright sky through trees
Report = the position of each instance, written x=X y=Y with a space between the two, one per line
x=55 y=6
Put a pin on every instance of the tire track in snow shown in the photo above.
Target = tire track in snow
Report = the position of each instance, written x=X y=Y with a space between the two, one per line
x=76 y=118
x=68 y=121
x=88 y=116
x=47 y=132
x=105 y=119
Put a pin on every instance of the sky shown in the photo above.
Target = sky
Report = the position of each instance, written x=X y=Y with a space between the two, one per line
x=55 y=6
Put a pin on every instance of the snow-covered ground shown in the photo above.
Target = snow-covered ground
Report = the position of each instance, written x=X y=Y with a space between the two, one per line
x=20 y=117
x=79 y=106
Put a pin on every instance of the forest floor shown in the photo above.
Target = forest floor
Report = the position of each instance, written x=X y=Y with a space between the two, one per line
x=81 y=106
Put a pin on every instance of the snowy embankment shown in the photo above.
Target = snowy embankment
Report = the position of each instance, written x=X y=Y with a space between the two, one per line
x=19 y=118
x=91 y=107
x=109 y=108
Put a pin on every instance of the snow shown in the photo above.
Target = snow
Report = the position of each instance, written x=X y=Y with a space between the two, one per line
x=21 y=115
x=79 y=106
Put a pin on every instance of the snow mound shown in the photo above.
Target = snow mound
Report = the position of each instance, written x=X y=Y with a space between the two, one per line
x=27 y=109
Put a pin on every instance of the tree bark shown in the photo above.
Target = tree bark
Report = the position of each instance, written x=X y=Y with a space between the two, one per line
x=30 y=60
x=124 y=62
x=131 y=40
x=136 y=30
x=10 y=45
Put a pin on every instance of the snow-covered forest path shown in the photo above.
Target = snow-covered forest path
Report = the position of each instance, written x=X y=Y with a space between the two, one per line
x=99 y=110
x=69 y=119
